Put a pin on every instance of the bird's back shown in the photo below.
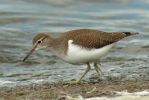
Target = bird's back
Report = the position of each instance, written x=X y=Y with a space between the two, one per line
x=90 y=38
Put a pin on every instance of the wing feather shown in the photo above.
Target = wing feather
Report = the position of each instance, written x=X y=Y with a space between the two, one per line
x=89 y=38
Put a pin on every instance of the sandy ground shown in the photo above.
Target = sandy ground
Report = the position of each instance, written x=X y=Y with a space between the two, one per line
x=59 y=91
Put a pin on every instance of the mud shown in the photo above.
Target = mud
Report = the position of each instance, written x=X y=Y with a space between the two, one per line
x=59 y=91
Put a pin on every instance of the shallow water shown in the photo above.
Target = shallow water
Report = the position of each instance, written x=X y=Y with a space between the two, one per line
x=20 y=20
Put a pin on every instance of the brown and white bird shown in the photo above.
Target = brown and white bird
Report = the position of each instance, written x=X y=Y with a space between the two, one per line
x=81 y=46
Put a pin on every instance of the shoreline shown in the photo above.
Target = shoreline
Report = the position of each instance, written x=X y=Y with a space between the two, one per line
x=59 y=91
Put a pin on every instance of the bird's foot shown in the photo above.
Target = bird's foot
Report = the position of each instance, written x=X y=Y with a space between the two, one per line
x=99 y=74
x=73 y=82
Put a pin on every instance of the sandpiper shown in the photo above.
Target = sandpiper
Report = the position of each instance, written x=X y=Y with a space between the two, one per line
x=80 y=46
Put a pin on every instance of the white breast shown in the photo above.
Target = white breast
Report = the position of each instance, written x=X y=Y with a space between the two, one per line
x=79 y=55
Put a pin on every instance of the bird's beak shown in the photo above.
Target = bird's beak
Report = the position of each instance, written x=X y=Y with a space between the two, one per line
x=32 y=50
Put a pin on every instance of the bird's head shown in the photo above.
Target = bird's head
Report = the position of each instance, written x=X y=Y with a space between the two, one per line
x=39 y=41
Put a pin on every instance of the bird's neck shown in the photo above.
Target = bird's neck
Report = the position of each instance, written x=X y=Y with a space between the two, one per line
x=56 y=46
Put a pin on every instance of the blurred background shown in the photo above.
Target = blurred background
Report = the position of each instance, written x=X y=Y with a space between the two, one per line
x=20 y=20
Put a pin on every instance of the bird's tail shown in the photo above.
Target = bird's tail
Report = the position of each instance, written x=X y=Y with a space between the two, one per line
x=130 y=33
x=120 y=35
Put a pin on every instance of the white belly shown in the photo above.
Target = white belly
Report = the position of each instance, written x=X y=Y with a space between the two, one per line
x=79 y=55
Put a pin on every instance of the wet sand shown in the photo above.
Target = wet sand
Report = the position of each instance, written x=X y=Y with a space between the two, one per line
x=60 y=91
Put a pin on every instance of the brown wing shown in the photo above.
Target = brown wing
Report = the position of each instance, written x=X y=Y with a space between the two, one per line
x=93 y=38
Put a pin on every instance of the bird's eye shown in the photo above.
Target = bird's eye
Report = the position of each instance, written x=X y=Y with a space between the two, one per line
x=39 y=42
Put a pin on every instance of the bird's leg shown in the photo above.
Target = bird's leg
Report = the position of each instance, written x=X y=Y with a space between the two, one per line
x=87 y=69
x=97 y=67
